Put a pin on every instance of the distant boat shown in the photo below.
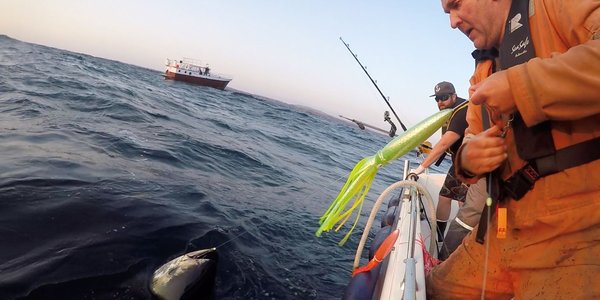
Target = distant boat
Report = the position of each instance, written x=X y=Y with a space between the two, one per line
x=190 y=70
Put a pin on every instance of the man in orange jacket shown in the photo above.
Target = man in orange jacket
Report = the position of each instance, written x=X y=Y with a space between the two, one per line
x=541 y=99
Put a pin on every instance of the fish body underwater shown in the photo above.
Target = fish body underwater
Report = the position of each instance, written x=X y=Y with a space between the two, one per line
x=189 y=276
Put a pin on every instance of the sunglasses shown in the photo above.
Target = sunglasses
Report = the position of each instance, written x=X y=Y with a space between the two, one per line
x=443 y=98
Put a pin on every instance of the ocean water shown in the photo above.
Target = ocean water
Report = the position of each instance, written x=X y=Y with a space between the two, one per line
x=107 y=171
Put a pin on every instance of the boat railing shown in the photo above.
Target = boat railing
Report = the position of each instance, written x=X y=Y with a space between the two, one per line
x=410 y=278
x=193 y=61
x=415 y=189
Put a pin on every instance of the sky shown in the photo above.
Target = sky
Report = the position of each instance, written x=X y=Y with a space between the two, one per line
x=285 y=50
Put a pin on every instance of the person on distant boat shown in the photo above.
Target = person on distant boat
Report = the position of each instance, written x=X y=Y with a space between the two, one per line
x=207 y=71
x=540 y=91
x=452 y=136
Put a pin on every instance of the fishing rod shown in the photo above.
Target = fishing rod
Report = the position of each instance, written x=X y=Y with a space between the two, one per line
x=362 y=125
x=374 y=83
x=359 y=123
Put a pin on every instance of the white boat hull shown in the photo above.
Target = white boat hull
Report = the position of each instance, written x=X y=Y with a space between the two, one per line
x=402 y=273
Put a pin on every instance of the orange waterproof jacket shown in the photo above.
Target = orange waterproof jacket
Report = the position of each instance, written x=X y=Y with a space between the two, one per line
x=561 y=84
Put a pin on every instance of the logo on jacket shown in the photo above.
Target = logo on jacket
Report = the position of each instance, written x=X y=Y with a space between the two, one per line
x=514 y=23
x=520 y=48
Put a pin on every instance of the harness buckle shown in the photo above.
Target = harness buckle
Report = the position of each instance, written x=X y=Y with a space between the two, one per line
x=521 y=182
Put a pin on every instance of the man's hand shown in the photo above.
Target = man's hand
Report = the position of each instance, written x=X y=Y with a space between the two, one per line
x=484 y=152
x=495 y=92
x=419 y=170
x=415 y=175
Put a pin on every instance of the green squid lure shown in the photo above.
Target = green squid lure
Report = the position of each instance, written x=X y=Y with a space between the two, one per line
x=360 y=179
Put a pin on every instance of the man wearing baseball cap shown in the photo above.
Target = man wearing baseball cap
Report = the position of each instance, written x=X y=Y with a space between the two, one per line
x=452 y=135
x=443 y=88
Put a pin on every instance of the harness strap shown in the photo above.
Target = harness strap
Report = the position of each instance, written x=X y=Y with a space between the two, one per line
x=572 y=156
x=569 y=157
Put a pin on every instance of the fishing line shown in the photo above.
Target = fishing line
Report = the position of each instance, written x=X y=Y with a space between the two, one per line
x=233 y=238
x=322 y=189
x=221 y=245
x=487 y=235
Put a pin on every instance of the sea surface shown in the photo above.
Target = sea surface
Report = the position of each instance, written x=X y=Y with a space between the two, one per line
x=107 y=171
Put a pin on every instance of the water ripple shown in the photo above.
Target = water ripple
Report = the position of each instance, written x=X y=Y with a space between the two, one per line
x=108 y=170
